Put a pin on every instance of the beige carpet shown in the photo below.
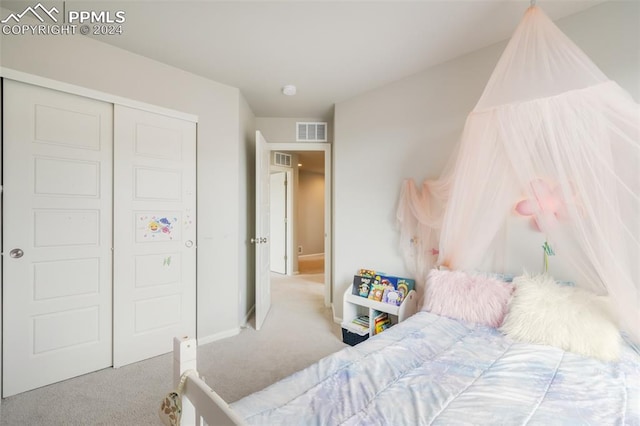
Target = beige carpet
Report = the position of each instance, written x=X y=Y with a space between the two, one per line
x=298 y=331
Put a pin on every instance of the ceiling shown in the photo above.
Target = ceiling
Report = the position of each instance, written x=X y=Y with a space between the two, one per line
x=330 y=50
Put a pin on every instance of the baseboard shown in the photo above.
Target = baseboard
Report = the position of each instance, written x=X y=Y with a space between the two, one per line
x=312 y=256
x=218 y=336
x=336 y=319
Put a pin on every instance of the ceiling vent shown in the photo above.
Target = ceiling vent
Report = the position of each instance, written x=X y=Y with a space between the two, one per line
x=281 y=159
x=311 y=132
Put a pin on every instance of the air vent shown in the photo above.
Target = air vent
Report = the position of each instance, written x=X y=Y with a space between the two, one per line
x=311 y=132
x=281 y=159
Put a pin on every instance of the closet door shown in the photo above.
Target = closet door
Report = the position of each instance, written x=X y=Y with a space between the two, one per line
x=155 y=233
x=57 y=227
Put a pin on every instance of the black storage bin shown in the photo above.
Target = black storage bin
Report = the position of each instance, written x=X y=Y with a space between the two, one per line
x=351 y=338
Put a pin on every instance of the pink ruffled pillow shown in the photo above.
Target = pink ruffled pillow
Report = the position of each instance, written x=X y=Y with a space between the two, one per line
x=476 y=299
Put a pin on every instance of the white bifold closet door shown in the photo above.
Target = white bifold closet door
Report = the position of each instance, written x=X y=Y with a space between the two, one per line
x=57 y=229
x=154 y=233
x=99 y=233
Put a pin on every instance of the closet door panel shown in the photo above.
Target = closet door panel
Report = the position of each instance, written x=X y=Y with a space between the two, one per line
x=57 y=223
x=155 y=233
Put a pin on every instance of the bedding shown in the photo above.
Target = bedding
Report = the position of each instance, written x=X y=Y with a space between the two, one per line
x=431 y=369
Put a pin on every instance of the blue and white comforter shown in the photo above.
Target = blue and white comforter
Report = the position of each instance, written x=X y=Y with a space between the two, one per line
x=434 y=370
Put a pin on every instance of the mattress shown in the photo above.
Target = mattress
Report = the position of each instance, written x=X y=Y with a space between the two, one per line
x=434 y=370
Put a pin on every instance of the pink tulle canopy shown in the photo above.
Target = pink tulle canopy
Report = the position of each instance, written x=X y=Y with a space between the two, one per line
x=551 y=139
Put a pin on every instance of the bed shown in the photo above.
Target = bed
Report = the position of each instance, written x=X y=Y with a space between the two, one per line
x=431 y=369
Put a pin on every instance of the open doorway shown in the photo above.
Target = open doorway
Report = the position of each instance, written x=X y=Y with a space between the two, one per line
x=300 y=199
x=297 y=213
x=308 y=213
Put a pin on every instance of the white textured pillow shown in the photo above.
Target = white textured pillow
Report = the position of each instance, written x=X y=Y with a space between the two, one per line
x=570 y=318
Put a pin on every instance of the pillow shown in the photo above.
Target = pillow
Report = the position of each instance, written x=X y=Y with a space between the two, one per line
x=478 y=299
x=543 y=312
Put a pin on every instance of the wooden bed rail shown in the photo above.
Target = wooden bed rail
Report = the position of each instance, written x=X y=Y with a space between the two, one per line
x=200 y=404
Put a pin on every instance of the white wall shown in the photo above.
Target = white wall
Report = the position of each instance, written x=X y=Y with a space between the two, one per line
x=403 y=130
x=89 y=63
x=283 y=130
x=407 y=130
x=310 y=202
x=610 y=35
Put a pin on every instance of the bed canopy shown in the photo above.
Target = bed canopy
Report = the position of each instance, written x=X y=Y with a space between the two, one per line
x=552 y=138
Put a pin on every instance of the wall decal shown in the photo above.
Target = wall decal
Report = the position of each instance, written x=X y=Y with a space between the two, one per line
x=157 y=227
x=188 y=221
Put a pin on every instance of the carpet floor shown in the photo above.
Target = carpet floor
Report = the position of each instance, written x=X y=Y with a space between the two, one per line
x=298 y=331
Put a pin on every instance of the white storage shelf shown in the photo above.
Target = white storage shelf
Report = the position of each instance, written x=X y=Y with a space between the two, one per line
x=354 y=306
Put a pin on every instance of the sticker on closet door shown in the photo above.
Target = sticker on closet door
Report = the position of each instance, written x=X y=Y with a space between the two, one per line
x=187 y=223
x=158 y=269
x=159 y=226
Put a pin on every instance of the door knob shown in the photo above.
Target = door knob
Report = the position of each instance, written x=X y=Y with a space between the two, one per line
x=188 y=243
x=16 y=253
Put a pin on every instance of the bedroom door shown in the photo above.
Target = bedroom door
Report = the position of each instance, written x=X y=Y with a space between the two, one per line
x=261 y=240
x=155 y=233
x=57 y=317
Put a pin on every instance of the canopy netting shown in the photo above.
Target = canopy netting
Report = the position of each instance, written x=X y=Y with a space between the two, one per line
x=552 y=130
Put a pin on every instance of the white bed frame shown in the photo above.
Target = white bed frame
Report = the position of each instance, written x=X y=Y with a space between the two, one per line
x=200 y=404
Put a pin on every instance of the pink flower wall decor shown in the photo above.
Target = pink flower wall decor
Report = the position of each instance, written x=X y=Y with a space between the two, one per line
x=545 y=207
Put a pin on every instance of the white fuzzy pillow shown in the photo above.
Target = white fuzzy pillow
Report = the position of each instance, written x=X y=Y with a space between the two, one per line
x=570 y=318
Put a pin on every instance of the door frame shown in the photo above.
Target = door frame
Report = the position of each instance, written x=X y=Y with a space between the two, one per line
x=1 y=238
x=328 y=206
x=73 y=89
x=289 y=214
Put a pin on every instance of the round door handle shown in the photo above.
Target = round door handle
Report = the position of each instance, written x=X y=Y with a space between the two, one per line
x=254 y=241
x=188 y=243
x=263 y=240
x=16 y=253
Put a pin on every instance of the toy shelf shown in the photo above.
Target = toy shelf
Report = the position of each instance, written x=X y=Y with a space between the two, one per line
x=354 y=306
